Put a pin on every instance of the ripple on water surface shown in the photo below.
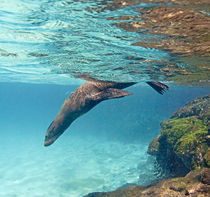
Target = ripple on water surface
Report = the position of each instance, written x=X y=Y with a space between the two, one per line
x=56 y=39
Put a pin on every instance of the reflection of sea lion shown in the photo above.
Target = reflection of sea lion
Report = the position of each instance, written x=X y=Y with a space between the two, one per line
x=85 y=98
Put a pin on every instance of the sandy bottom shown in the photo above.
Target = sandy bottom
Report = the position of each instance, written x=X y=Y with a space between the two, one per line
x=72 y=168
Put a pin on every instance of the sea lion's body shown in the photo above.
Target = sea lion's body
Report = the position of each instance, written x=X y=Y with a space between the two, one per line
x=83 y=99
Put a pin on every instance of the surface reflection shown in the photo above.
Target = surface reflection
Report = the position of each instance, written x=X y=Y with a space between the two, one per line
x=51 y=41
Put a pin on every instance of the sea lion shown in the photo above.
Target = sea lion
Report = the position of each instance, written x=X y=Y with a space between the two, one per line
x=84 y=98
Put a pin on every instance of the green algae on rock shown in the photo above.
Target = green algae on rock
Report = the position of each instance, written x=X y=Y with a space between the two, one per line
x=153 y=148
x=186 y=138
x=183 y=144
x=196 y=183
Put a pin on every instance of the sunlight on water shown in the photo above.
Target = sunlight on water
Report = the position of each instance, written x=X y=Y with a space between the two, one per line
x=51 y=41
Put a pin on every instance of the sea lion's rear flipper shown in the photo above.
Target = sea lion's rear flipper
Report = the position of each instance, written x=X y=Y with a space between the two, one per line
x=159 y=87
x=111 y=93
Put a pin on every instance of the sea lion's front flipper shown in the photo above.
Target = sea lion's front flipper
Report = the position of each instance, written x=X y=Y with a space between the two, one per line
x=159 y=87
x=111 y=93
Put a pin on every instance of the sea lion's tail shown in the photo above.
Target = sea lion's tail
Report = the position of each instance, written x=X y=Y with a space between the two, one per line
x=159 y=87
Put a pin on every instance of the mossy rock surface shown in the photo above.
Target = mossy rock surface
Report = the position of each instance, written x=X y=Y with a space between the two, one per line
x=183 y=143
x=187 y=138
x=183 y=128
x=154 y=146
x=206 y=158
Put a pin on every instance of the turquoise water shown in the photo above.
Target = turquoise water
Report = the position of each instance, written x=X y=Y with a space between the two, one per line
x=101 y=151
x=43 y=46
x=51 y=41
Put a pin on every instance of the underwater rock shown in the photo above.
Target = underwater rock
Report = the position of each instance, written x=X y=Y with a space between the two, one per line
x=181 y=149
x=154 y=146
x=184 y=140
x=196 y=183
x=199 y=107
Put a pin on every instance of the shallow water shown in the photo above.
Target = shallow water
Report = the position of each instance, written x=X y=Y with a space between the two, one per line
x=44 y=45
x=103 y=150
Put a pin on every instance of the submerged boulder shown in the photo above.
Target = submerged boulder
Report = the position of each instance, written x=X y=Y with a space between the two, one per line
x=196 y=183
x=181 y=149
x=199 y=107
x=183 y=144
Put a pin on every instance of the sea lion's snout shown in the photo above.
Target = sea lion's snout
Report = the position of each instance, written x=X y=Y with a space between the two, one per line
x=50 y=135
x=53 y=132
x=48 y=142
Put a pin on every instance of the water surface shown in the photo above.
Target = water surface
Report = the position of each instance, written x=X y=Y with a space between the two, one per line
x=52 y=41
